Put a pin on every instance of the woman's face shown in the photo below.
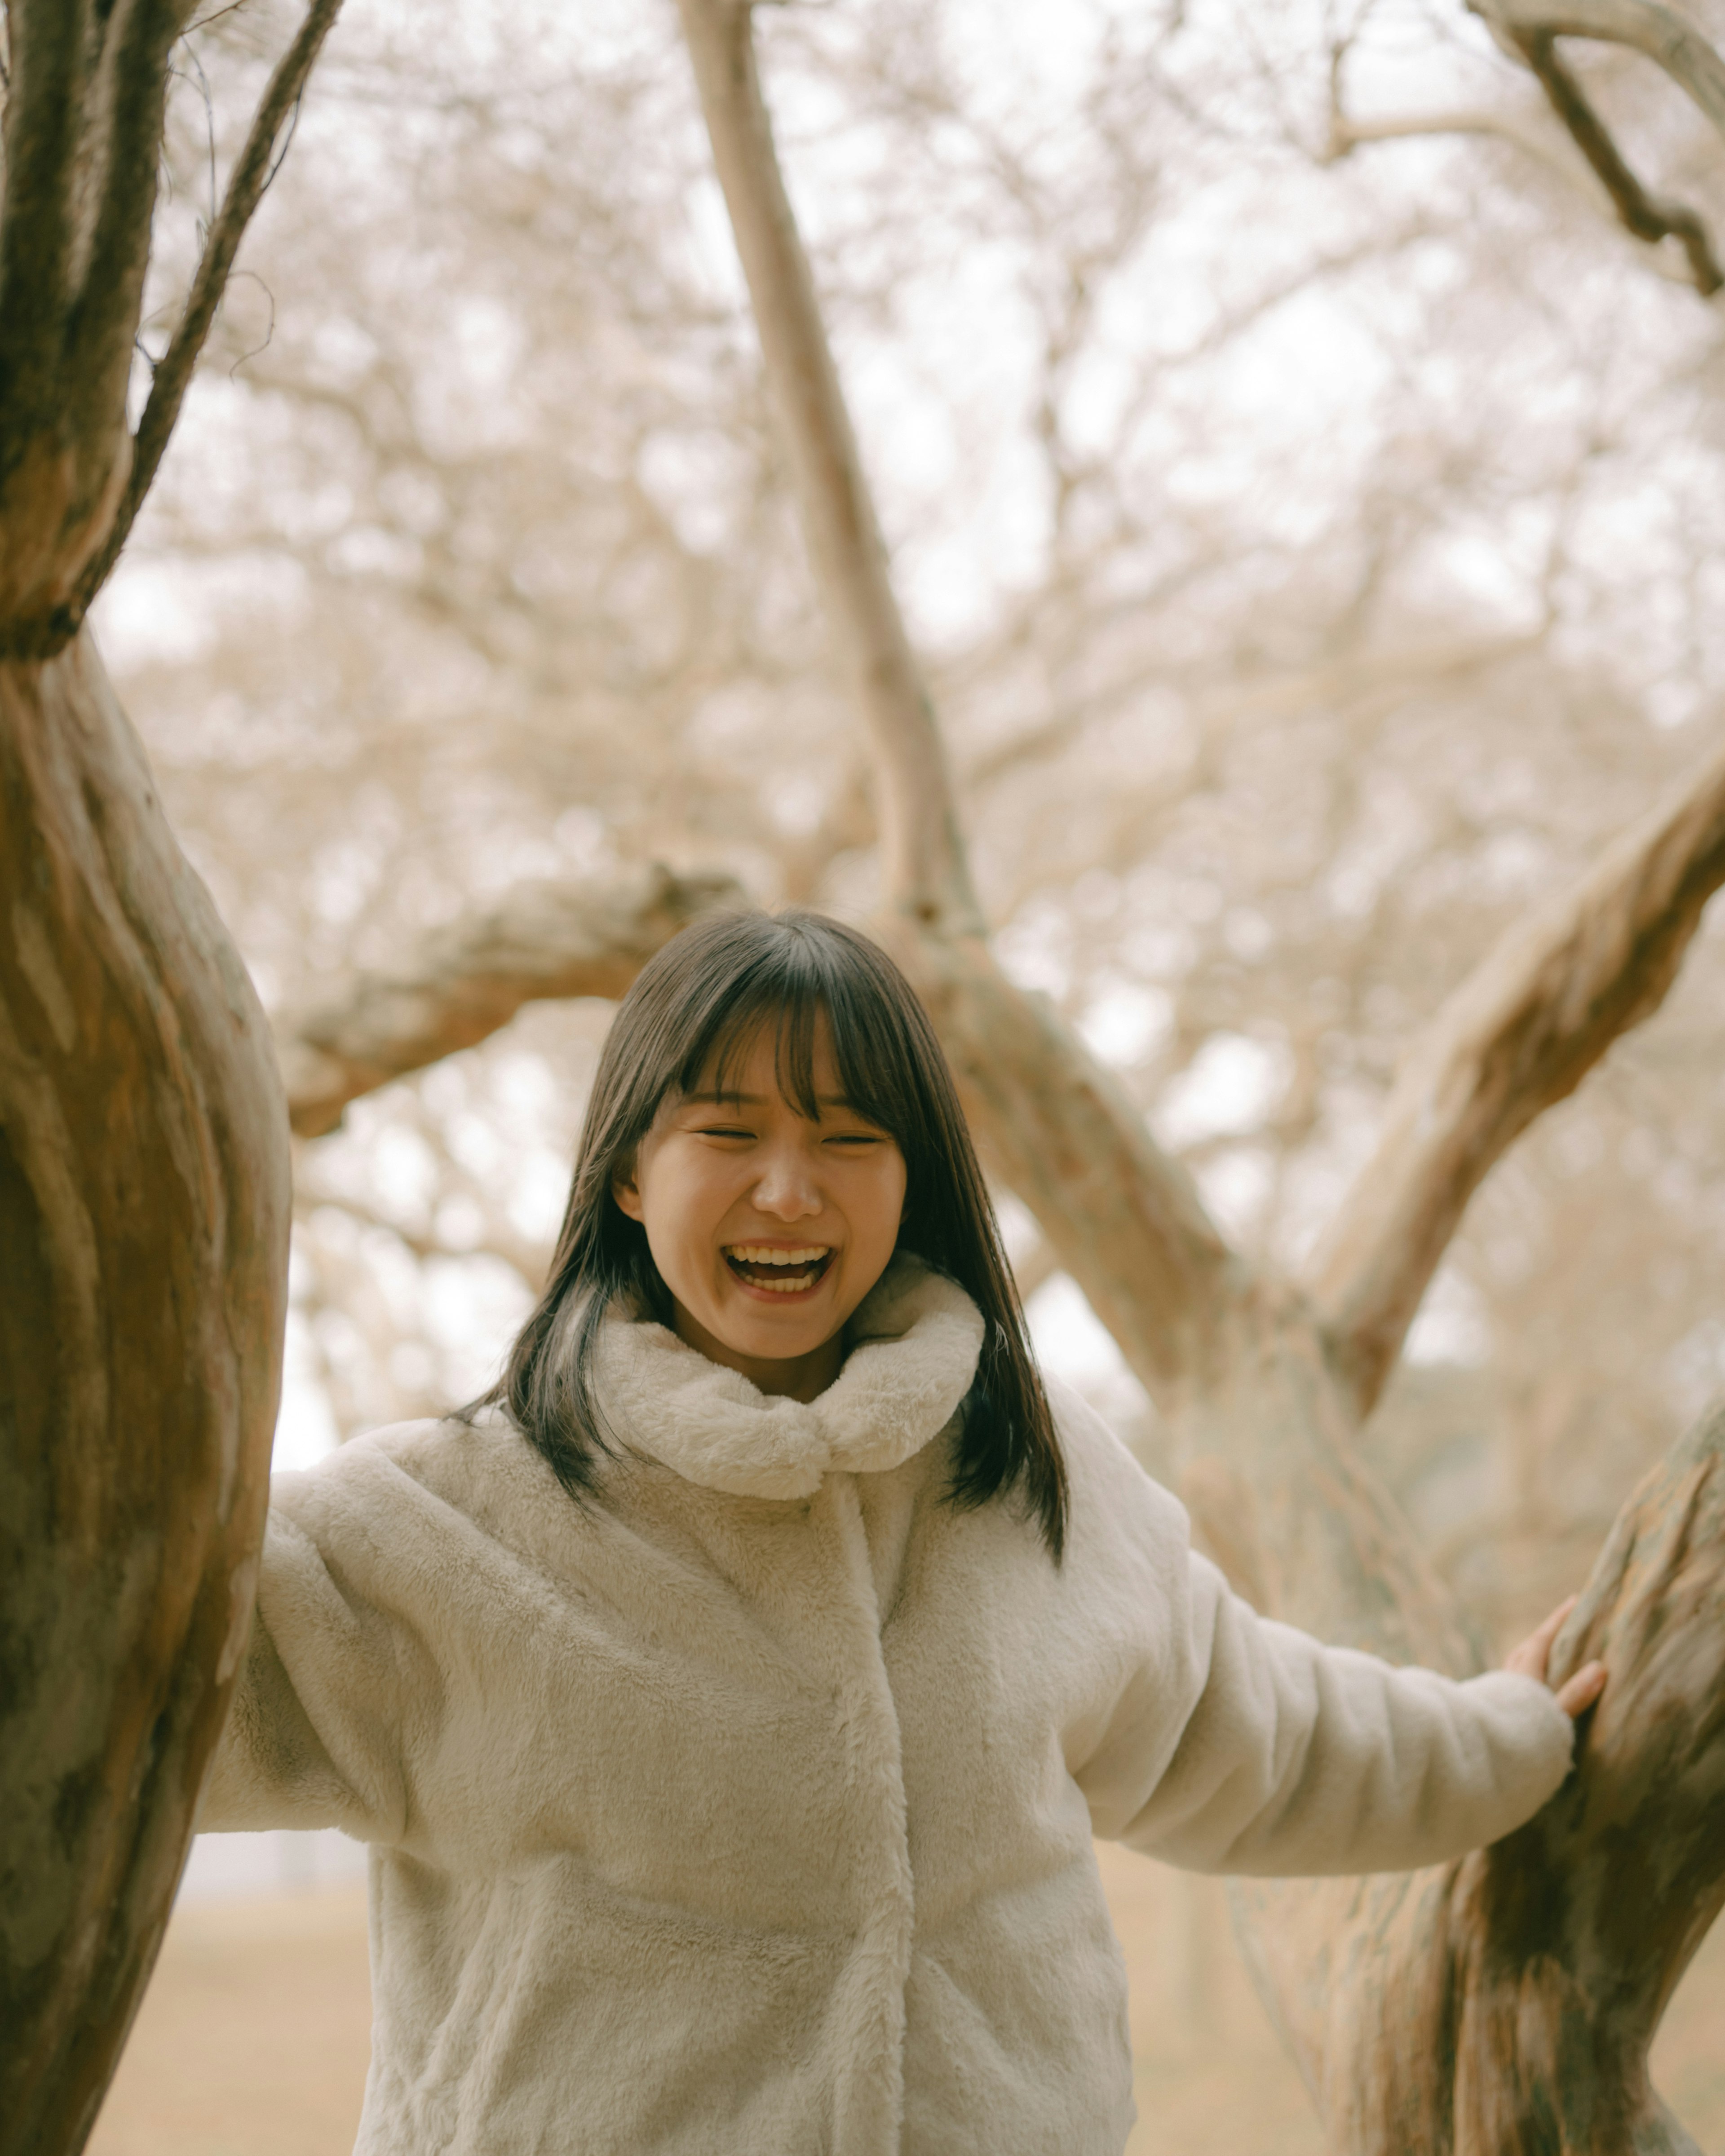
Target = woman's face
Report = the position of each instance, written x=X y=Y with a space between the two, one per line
x=768 y=1229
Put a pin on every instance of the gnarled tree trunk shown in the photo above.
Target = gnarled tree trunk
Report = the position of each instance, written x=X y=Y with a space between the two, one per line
x=143 y=1135
x=143 y=1211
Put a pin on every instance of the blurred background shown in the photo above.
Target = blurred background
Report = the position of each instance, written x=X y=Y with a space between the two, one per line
x=1310 y=503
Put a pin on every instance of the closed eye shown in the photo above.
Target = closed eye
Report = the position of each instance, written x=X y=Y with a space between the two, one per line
x=722 y=1130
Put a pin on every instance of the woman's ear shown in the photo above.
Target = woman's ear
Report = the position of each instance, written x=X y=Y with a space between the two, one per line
x=625 y=1190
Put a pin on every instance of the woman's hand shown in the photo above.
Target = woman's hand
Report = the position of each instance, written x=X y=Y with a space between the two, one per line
x=1529 y=1660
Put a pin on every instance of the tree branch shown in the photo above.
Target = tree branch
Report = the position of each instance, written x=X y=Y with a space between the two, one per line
x=1123 y=1218
x=1529 y=28
x=257 y=166
x=130 y=92
x=43 y=126
x=927 y=876
x=465 y=981
x=1126 y=1221
x=89 y=100
x=1348 y=134
x=1520 y=1033
x=1648 y=217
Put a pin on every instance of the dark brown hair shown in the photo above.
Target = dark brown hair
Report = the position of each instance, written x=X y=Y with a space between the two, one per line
x=693 y=1013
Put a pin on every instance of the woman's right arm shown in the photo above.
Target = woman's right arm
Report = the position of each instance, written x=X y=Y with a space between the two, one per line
x=311 y=1737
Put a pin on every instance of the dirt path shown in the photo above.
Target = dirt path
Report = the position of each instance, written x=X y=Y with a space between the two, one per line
x=255 y=2037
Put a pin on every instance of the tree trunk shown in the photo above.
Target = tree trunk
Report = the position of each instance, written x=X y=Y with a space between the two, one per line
x=143 y=1244
x=1507 y=2003
x=144 y=1199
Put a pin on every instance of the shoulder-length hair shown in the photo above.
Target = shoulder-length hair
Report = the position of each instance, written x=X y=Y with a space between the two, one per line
x=692 y=1014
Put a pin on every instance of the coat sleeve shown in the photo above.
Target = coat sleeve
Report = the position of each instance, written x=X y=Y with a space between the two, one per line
x=1223 y=1742
x=311 y=1738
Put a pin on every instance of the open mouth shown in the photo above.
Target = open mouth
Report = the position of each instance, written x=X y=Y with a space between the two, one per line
x=779 y=1272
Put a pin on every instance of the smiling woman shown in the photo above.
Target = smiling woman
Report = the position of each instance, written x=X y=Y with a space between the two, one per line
x=768 y=1226
x=731 y=1791
x=773 y=1118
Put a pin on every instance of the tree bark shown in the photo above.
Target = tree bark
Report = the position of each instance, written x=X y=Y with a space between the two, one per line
x=1507 y=2003
x=143 y=1243
x=143 y=1142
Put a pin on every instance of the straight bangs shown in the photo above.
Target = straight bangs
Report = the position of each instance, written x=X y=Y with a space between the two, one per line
x=691 y=1022
x=877 y=1063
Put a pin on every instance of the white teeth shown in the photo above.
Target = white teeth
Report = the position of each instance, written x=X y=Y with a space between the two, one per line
x=757 y=1254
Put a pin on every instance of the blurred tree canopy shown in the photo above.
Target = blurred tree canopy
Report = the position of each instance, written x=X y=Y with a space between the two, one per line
x=1309 y=502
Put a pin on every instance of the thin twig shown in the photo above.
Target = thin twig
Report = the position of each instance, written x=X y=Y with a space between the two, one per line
x=1648 y=217
x=1530 y=29
x=257 y=166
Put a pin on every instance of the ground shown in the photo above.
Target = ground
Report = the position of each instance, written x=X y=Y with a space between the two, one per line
x=254 y=2037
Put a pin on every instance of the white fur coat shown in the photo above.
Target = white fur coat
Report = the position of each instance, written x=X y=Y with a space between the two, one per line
x=746 y=1810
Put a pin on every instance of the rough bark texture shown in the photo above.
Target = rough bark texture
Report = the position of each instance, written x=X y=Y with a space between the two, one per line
x=143 y=1237
x=83 y=128
x=1505 y=2005
x=1507 y=2002
x=143 y=1141
x=467 y=980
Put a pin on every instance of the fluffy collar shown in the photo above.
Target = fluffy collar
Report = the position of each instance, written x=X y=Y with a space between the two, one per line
x=915 y=1340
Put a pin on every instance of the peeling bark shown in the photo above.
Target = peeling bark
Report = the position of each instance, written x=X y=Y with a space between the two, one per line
x=468 y=980
x=143 y=1245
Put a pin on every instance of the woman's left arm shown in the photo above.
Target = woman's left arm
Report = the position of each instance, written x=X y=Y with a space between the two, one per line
x=1294 y=1758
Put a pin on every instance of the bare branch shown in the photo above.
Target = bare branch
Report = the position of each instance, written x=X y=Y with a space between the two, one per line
x=1520 y=1033
x=926 y=874
x=1529 y=28
x=1124 y=1219
x=1347 y=135
x=257 y=166
x=1659 y=33
x=128 y=95
x=466 y=981
x=1648 y=217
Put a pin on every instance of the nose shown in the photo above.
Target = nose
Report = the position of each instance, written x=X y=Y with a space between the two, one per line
x=786 y=1186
